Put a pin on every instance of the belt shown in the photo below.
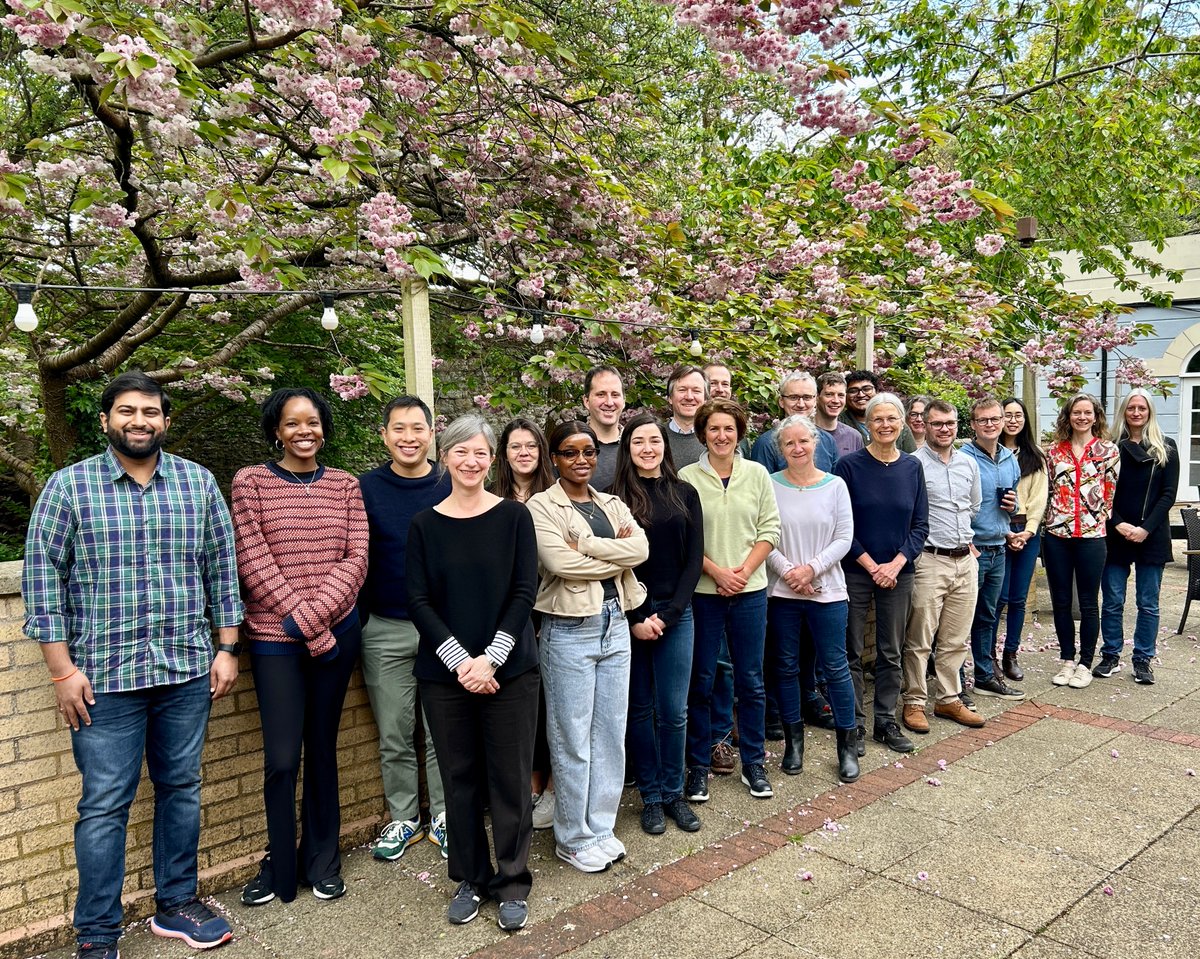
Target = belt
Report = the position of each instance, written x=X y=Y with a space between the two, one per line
x=957 y=553
x=990 y=549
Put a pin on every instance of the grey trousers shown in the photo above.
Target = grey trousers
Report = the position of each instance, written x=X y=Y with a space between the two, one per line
x=891 y=617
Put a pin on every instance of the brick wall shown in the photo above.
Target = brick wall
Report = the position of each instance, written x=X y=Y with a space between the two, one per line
x=39 y=788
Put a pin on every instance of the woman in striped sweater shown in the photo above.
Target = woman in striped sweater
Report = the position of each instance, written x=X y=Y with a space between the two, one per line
x=302 y=557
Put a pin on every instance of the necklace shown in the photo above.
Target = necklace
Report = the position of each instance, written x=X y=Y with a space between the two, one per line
x=589 y=513
x=304 y=484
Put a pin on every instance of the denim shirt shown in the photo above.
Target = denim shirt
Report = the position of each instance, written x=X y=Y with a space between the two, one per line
x=991 y=523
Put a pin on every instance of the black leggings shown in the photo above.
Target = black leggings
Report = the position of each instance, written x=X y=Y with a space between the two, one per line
x=1077 y=561
x=300 y=703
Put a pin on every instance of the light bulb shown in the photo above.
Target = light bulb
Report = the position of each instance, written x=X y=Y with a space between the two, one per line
x=26 y=319
x=329 y=317
x=902 y=349
x=536 y=335
x=695 y=349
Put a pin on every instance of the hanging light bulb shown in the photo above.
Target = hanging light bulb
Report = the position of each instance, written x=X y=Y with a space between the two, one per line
x=902 y=348
x=695 y=349
x=26 y=320
x=329 y=317
x=536 y=335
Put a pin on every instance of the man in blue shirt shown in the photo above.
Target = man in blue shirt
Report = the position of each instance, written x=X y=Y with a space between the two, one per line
x=129 y=567
x=998 y=475
x=797 y=394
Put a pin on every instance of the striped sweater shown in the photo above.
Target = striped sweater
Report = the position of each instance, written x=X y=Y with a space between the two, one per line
x=301 y=552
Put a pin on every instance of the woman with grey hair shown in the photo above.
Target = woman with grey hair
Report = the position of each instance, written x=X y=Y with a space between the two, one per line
x=914 y=415
x=891 y=522
x=477 y=669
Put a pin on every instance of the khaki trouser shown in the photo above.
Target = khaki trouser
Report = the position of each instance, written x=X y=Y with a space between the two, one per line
x=943 y=605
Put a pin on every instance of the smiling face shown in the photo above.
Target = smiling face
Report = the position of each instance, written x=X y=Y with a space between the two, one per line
x=942 y=429
x=605 y=401
x=1083 y=416
x=1014 y=419
x=301 y=433
x=885 y=423
x=576 y=458
x=797 y=444
x=522 y=453
x=721 y=435
x=832 y=400
x=136 y=426
x=916 y=419
x=798 y=396
x=720 y=382
x=408 y=437
x=687 y=396
x=468 y=462
x=1137 y=414
x=858 y=394
x=646 y=450
x=987 y=421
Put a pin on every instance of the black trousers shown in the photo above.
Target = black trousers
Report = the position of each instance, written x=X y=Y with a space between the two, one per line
x=1075 y=561
x=484 y=749
x=300 y=704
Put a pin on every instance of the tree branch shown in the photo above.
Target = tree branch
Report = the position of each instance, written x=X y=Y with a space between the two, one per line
x=252 y=45
x=26 y=477
x=92 y=348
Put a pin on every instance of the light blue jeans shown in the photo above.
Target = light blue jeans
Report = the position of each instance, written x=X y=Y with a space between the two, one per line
x=1147 y=584
x=585 y=673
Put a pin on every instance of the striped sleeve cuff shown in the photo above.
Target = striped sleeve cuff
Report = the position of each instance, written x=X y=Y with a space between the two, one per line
x=499 y=648
x=451 y=653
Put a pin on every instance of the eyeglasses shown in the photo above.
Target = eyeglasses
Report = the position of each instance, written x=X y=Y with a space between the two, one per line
x=860 y=391
x=522 y=447
x=914 y=415
x=947 y=425
x=798 y=397
x=989 y=420
x=1010 y=417
x=572 y=455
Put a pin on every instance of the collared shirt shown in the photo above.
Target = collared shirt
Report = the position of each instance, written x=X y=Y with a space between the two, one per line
x=133 y=579
x=954 y=494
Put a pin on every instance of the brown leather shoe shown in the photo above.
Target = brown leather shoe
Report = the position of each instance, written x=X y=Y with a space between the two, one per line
x=1011 y=669
x=724 y=759
x=957 y=712
x=914 y=719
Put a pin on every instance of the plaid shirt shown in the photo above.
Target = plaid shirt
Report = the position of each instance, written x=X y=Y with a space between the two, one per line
x=132 y=578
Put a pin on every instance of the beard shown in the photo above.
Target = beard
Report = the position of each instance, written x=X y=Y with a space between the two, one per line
x=142 y=447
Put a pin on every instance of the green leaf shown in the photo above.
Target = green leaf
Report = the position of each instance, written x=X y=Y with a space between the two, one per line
x=336 y=167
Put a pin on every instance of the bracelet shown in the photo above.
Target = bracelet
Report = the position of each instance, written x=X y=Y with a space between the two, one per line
x=59 y=679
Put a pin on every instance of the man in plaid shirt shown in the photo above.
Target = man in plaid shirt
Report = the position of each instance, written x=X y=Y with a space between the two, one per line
x=129 y=567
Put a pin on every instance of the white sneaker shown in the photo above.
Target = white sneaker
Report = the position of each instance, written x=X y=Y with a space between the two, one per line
x=585 y=860
x=613 y=848
x=1065 y=673
x=1082 y=677
x=543 y=810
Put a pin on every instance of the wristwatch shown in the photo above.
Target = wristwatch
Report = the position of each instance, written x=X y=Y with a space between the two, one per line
x=234 y=648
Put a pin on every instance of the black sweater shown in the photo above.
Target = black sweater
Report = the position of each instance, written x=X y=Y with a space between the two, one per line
x=1144 y=497
x=471 y=578
x=671 y=572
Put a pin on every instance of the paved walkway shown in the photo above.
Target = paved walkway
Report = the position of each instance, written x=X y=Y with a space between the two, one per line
x=1067 y=827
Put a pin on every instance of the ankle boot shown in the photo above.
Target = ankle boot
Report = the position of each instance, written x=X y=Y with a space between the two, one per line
x=793 y=748
x=1011 y=669
x=847 y=752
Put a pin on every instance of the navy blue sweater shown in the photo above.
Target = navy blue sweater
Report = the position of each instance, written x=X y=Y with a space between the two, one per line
x=391 y=502
x=890 y=505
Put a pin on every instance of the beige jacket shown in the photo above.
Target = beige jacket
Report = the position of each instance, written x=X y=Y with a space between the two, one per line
x=571 y=578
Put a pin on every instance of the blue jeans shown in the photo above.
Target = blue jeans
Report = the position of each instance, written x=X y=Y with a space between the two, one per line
x=983 y=629
x=1018 y=574
x=1148 y=582
x=658 y=691
x=722 y=697
x=742 y=620
x=166 y=725
x=585 y=672
x=799 y=623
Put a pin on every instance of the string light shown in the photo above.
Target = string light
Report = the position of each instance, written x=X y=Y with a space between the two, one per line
x=329 y=317
x=902 y=348
x=695 y=348
x=26 y=319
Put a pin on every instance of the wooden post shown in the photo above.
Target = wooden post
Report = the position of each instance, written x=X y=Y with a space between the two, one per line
x=1030 y=397
x=418 y=343
x=864 y=352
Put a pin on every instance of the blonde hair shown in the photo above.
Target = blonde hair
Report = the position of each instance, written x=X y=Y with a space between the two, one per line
x=1152 y=435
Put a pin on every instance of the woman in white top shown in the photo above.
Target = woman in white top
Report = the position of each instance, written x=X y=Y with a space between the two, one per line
x=806 y=592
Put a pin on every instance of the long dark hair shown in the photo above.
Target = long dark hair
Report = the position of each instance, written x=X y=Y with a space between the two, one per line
x=505 y=485
x=627 y=484
x=1030 y=457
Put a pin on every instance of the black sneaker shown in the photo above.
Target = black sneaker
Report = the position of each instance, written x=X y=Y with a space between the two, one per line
x=514 y=913
x=258 y=891
x=464 y=906
x=653 y=820
x=678 y=810
x=1142 y=673
x=194 y=923
x=97 y=950
x=967 y=701
x=754 y=775
x=696 y=789
x=997 y=687
x=331 y=888
x=889 y=734
x=1108 y=665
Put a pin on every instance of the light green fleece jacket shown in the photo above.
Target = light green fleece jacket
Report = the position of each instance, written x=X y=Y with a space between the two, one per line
x=735 y=517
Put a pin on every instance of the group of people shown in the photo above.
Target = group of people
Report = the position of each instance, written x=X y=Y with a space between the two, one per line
x=562 y=613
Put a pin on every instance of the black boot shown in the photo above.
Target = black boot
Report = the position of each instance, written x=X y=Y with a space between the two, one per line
x=793 y=748
x=847 y=750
